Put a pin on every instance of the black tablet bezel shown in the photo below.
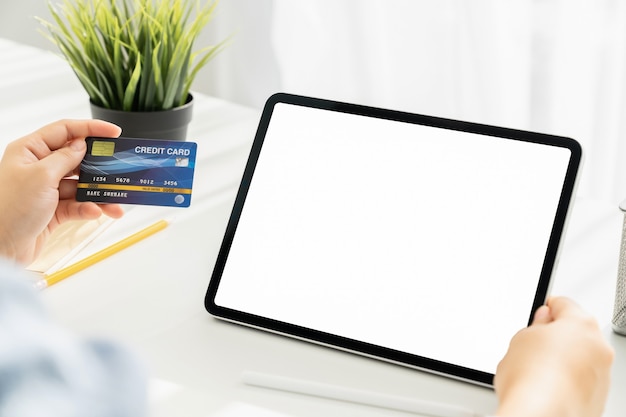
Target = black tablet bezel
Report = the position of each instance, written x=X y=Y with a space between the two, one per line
x=367 y=349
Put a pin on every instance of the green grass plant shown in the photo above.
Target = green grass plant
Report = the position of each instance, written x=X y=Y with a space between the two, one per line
x=133 y=55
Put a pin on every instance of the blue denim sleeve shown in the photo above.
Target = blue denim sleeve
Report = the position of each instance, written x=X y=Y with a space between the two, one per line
x=46 y=370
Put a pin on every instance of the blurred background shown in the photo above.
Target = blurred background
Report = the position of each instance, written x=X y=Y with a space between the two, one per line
x=553 y=66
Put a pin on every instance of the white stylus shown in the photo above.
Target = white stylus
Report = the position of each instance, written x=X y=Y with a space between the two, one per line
x=335 y=392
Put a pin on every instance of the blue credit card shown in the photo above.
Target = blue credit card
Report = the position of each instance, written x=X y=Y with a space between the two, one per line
x=137 y=171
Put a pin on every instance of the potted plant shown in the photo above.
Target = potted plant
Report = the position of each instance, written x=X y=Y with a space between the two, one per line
x=135 y=59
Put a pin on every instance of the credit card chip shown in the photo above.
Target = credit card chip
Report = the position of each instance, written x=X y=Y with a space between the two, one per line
x=102 y=148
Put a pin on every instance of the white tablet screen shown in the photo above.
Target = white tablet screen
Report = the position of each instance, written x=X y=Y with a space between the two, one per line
x=420 y=239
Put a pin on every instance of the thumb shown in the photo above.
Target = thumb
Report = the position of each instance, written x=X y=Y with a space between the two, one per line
x=65 y=159
x=542 y=315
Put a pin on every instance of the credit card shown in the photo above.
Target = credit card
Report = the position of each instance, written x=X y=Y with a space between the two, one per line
x=137 y=171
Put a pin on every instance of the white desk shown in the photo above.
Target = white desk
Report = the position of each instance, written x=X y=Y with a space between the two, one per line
x=150 y=296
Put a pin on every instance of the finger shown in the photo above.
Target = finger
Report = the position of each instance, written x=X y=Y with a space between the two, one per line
x=112 y=210
x=93 y=127
x=561 y=307
x=55 y=135
x=68 y=210
x=67 y=189
x=542 y=315
x=57 y=164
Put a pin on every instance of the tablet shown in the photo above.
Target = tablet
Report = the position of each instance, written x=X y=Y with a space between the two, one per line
x=418 y=240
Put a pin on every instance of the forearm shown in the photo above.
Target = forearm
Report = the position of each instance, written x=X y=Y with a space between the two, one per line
x=65 y=374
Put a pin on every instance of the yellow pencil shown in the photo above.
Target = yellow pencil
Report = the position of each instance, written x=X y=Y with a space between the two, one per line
x=68 y=271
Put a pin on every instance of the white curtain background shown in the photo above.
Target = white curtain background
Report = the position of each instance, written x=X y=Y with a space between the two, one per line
x=554 y=66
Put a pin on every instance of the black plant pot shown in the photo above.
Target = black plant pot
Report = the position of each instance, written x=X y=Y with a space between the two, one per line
x=163 y=124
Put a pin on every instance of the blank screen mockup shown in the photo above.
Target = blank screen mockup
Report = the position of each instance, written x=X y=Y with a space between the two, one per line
x=420 y=239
